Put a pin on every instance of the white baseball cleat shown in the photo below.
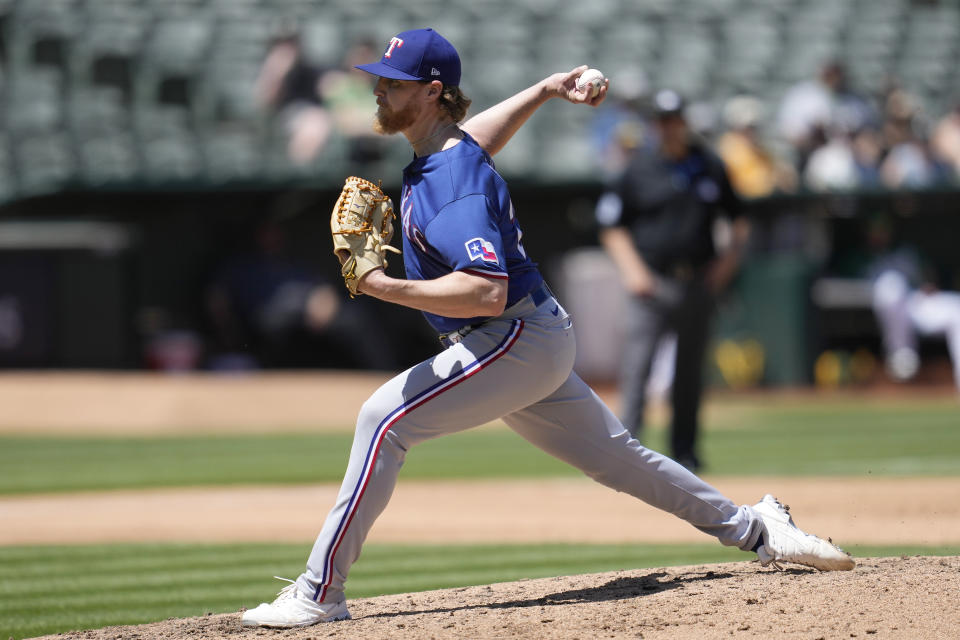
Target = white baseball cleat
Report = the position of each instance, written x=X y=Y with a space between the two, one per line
x=293 y=609
x=783 y=541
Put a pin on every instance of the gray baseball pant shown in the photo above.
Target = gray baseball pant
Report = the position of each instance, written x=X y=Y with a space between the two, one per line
x=685 y=308
x=518 y=367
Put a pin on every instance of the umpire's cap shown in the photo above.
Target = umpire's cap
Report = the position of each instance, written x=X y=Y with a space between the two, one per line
x=667 y=103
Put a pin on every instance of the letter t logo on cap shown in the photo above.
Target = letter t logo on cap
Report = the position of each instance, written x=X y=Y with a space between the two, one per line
x=394 y=42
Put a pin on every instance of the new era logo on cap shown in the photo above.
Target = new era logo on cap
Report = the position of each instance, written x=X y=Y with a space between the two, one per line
x=419 y=54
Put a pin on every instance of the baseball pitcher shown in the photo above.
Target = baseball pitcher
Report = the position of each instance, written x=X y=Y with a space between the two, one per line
x=508 y=342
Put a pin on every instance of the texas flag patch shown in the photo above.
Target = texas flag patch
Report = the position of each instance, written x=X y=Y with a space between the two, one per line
x=480 y=248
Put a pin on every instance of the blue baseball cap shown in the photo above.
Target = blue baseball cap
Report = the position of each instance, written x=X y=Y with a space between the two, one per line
x=418 y=54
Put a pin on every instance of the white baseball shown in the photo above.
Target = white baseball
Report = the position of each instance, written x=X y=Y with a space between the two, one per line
x=594 y=76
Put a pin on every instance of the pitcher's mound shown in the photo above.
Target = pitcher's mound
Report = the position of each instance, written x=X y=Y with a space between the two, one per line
x=906 y=597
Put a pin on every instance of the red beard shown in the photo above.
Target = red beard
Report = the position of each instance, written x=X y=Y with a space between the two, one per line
x=389 y=122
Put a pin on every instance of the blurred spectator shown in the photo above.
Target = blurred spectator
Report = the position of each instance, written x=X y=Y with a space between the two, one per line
x=847 y=161
x=347 y=92
x=755 y=171
x=909 y=163
x=267 y=311
x=867 y=146
x=832 y=166
x=290 y=87
x=657 y=223
x=812 y=109
x=945 y=141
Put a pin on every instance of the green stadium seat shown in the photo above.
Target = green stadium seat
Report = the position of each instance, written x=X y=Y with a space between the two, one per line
x=200 y=57
x=520 y=158
x=100 y=11
x=454 y=28
x=33 y=100
x=107 y=54
x=748 y=52
x=171 y=159
x=178 y=8
x=635 y=39
x=565 y=157
x=40 y=34
x=596 y=14
x=93 y=111
x=177 y=44
x=237 y=9
x=231 y=154
x=44 y=163
x=706 y=10
x=297 y=8
x=108 y=159
x=227 y=95
x=650 y=9
x=8 y=187
x=322 y=39
x=558 y=48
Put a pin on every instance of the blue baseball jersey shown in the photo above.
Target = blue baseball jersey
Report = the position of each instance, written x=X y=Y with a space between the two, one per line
x=456 y=215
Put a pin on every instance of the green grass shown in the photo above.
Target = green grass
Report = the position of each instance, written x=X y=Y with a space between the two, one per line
x=797 y=438
x=55 y=589
x=814 y=438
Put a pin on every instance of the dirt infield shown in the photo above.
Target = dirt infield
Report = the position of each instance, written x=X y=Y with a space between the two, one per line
x=150 y=403
x=878 y=511
x=890 y=598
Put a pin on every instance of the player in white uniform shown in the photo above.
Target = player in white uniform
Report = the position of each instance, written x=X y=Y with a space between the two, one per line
x=509 y=343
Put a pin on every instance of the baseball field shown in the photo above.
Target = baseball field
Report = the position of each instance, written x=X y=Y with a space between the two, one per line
x=139 y=506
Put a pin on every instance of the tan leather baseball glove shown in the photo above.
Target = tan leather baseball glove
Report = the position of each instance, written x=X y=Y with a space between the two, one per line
x=362 y=226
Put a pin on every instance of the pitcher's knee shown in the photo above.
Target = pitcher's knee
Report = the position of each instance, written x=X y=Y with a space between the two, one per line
x=386 y=426
x=372 y=418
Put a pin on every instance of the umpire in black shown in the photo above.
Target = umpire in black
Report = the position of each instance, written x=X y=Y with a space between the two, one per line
x=658 y=223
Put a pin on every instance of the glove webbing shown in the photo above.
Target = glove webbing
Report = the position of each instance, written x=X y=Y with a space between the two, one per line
x=366 y=227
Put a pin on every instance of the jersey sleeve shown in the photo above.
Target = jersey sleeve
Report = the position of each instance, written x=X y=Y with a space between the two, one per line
x=609 y=210
x=613 y=206
x=467 y=236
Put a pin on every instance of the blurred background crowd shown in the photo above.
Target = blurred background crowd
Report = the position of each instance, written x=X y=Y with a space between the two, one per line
x=166 y=168
x=846 y=92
